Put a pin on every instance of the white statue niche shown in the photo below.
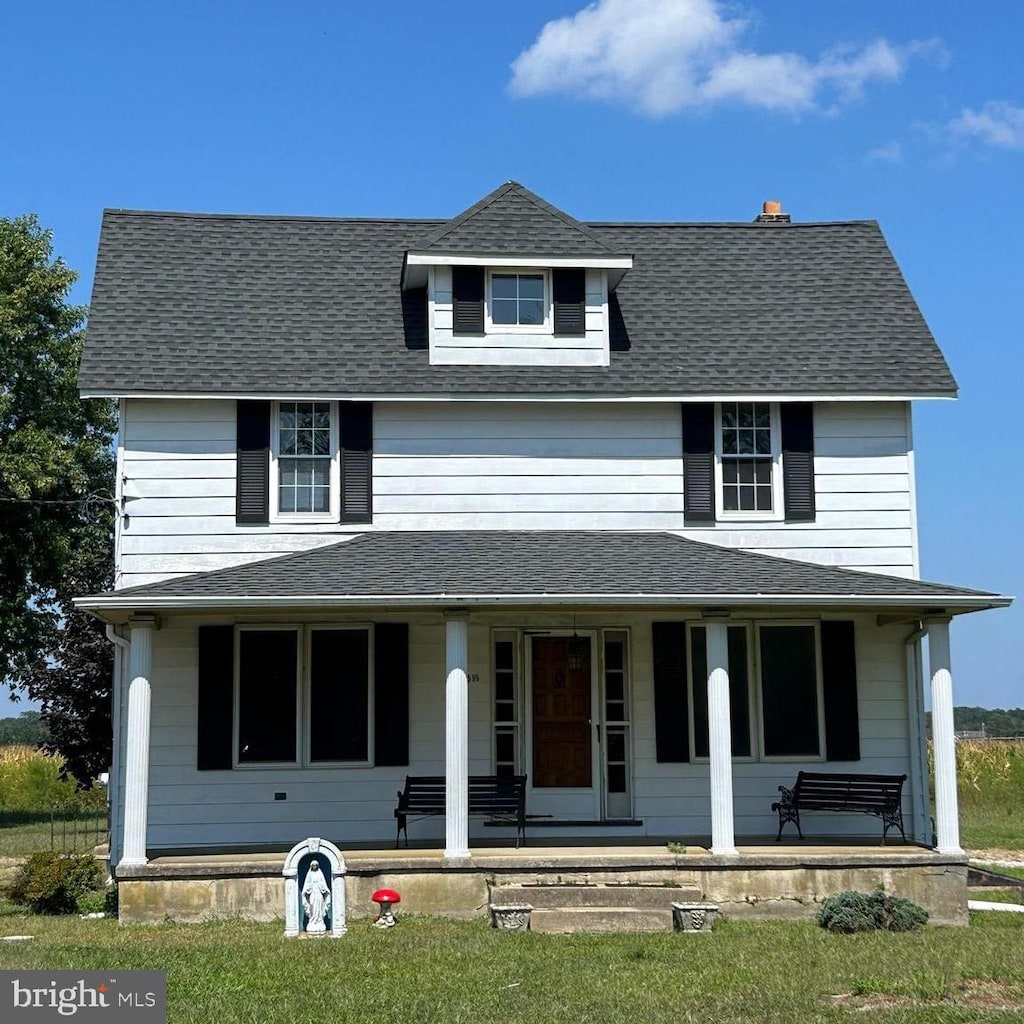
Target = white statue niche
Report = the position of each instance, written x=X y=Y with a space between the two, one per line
x=314 y=890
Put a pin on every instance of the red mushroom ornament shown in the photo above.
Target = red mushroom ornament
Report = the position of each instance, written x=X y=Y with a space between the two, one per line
x=386 y=898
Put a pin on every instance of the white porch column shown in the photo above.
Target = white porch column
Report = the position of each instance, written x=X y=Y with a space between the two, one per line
x=947 y=818
x=456 y=703
x=723 y=841
x=136 y=762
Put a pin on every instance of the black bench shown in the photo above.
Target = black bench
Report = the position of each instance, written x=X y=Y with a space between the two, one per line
x=501 y=799
x=820 y=791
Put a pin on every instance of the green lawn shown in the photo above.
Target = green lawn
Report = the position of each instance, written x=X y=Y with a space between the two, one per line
x=427 y=970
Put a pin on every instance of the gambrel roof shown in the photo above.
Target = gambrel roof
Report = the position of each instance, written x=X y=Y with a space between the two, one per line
x=275 y=306
x=541 y=566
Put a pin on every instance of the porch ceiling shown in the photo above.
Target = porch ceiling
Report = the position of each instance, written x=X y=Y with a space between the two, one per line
x=497 y=568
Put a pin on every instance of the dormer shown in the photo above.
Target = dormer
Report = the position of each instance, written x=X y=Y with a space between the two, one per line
x=514 y=281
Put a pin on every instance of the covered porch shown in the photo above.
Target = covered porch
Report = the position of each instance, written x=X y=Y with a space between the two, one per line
x=635 y=679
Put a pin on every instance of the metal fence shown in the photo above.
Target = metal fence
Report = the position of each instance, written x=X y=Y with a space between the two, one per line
x=63 y=828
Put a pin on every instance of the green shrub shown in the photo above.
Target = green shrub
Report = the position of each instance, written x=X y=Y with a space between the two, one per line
x=50 y=883
x=850 y=912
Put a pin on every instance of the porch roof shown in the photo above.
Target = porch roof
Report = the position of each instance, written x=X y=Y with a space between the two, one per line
x=484 y=567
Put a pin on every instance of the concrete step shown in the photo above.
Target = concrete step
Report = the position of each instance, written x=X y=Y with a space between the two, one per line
x=637 y=897
x=565 y=920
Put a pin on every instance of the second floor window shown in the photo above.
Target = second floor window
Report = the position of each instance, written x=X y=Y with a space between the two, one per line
x=747 y=440
x=305 y=447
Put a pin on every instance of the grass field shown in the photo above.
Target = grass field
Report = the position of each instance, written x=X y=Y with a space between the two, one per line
x=466 y=973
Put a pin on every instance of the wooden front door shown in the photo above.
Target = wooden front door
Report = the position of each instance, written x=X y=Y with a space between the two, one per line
x=561 y=713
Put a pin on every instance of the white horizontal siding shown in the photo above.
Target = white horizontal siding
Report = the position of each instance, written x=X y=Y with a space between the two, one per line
x=348 y=805
x=493 y=466
x=518 y=466
x=519 y=348
x=863 y=494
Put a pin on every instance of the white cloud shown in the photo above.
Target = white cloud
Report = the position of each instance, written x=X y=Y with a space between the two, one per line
x=660 y=56
x=995 y=124
x=887 y=153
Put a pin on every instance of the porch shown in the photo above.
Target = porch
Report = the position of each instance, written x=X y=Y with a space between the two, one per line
x=763 y=880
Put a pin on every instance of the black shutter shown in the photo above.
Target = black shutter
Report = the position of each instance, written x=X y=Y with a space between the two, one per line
x=698 y=464
x=391 y=693
x=798 y=460
x=468 y=300
x=569 y=287
x=252 y=490
x=671 y=703
x=356 y=462
x=839 y=676
x=215 y=703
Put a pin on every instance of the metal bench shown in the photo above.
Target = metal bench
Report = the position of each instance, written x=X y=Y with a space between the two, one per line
x=501 y=799
x=819 y=791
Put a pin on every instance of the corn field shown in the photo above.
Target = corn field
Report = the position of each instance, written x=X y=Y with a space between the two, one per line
x=990 y=773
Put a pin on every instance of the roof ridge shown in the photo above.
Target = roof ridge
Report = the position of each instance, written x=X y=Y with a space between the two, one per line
x=318 y=218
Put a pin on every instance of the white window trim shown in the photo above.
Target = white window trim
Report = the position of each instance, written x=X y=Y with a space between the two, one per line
x=513 y=636
x=821 y=756
x=307 y=695
x=303 y=696
x=626 y=724
x=778 y=511
x=237 y=693
x=547 y=327
x=753 y=691
x=334 y=513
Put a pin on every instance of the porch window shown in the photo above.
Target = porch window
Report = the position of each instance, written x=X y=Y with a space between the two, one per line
x=506 y=706
x=616 y=725
x=302 y=695
x=266 y=695
x=739 y=691
x=339 y=695
x=791 y=699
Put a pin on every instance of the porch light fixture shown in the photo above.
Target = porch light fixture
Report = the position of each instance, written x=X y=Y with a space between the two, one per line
x=579 y=648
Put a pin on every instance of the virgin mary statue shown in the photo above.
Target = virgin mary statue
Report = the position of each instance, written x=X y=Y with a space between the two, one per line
x=316 y=899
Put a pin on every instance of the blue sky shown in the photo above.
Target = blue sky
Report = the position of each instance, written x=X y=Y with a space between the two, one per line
x=908 y=113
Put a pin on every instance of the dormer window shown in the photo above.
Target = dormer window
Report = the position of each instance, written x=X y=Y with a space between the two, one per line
x=518 y=299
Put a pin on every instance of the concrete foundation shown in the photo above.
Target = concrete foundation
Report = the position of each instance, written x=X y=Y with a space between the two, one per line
x=758 y=883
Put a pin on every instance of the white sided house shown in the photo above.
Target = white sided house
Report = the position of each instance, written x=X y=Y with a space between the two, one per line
x=627 y=509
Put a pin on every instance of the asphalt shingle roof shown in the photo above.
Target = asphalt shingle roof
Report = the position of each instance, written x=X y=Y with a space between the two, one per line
x=514 y=221
x=202 y=304
x=506 y=565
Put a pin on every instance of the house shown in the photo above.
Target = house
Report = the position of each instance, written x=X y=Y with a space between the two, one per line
x=627 y=508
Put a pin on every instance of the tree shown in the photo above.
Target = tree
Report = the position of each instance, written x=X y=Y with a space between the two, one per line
x=57 y=468
x=28 y=728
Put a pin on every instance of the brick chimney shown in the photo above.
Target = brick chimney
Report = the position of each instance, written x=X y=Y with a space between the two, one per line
x=771 y=213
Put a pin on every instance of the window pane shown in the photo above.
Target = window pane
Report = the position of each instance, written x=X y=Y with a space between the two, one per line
x=731 y=499
x=266 y=695
x=503 y=286
x=288 y=442
x=531 y=311
x=746 y=442
x=616 y=778
x=614 y=654
x=339 y=695
x=747 y=498
x=504 y=711
x=763 y=442
x=789 y=691
x=746 y=470
x=504 y=311
x=503 y=654
x=322 y=416
x=745 y=414
x=322 y=442
x=321 y=499
x=287 y=417
x=503 y=685
x=762 y=415
x=730 y=446
x=531 y=286
x=730 y=472
x=616 y=745
x=504 y=746
x=729 y=415
x=764 y=499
